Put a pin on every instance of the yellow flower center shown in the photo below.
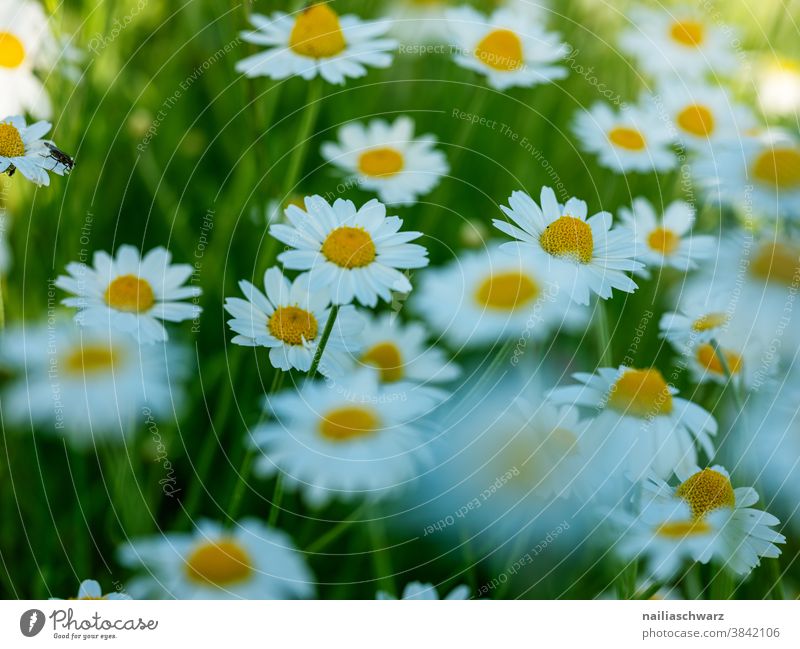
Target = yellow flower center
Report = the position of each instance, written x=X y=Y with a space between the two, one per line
x=663 y=241
x=568 y=237
x=506 y=291
x=777 y=262
x=709 y=359
x=219 y=563
x=90 y=359
x=11 y=144
x=12 y=51
x=697 y=120
x=292 y=325
x=317 y=33
x=641 y=393
x=709 y=321
x=349 y=247
x=347 y=423
x=388 y=359
x=500 y=49
x=130 y=293
x=627 y=138
x=778 y=167
x=682 y=529
x=381 y=162
x=690 y=33
x=706 y=491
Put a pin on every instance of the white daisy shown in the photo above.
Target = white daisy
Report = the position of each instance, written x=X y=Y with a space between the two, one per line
x=247 y=561
x=778 y=85
x=86 y=383
x=347 y=439
x=91 y=590
x=581 y=255
x=697 y=320
x=418 y=590
x=666 y=241
x=316 y=41
x=641 y=426
x=388 y=159
x=742 y=354
x=131 y=293
x=682 y=41
x=418 y=21
x=635 y=138
x=26 y=44
x=508 y=47
x=23 y=149
x=289 y=320
x=490 y=295
x=355 y=253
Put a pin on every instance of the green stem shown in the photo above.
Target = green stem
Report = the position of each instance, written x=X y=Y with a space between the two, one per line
x=733 y=385
x=380 y=557
x=335 y=532
x=776 y=590
x=603 y=337
x=241 y=483
x=626 y=581
x=722 y=585
x=323 y=341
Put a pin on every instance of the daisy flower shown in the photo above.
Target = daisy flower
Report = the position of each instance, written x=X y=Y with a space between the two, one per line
x=696 y=321
x=316 y=42
x=247 y=561
x=289 y=320
x=354 y=253
x=635 y=138
x=348 y=439
x=418 y=21
x=418 y=590
x=741 y=353
x=702 y=519
x=86 y=383
x=582 y=255
x=131 y=293
x=90 y=590
x=26 y=44
x=641 y=426
x=666 y=241
x=678 y=40
x=23 y=149
x=507 y=47
x=778 y=86
x=388 y=159
x=489 y=295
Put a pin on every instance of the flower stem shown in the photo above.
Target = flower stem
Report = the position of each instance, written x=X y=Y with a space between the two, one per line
x=380 y=557
x=603 y=337
x=776 y=577
x=277 y=497
x=336 y=531
x=734 y=387
x=323 y=341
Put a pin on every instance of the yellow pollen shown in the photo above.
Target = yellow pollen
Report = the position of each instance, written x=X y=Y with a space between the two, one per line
x=777 y=262
x=292 y=325
x=663 y=241
x=627 y=138
x=12 y=51
x=347 y=423
x=506 y=291
x=706 y=491
x=778 y=167
x=317 y=33
x=690 y=33
x=568 y=237
x=709 y=321
x=709 y=360
x=388 y=359
x=381 y=163
x=682 y=529
x=11 y=144
x=349 y=247
x=641 y=393
x=219 y=563
x=90 y=359
x=130 y=293
x=500 y=49
x=697 y=120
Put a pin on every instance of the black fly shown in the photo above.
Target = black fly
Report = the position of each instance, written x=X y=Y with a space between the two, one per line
x=60 y=157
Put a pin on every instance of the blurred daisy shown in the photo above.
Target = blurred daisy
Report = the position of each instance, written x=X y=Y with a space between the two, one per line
x=582 y=255
x=26 y=44
x=316 y=41
x=387 y=159
x=247 y=561
x=678 y=41
x=735 y=352
x=778 y=86
x=633 y=139
x=697 y=321
x=131 y=293
x=354 y=253
x=418 y=590
x=489 y=295
x=23 y=149
x=346 y=439
x=641 y=426
x=701 y=519
x=86 y=383
x=666 y=241
x=418 y=21
x=289 y=320
x=507 y=47
x=90 y=590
